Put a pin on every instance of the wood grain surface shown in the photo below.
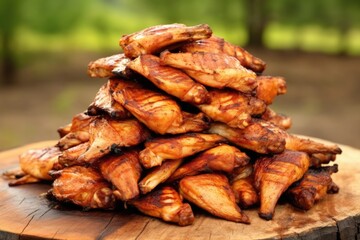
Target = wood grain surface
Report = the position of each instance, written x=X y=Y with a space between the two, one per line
x=26 y=214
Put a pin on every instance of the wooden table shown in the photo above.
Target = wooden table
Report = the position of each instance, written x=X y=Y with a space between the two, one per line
x=25 y=214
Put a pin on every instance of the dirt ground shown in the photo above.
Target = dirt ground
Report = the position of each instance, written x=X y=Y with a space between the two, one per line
x=323 y=97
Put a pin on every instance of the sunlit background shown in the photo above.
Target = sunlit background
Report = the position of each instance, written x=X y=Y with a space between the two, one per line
x=46 y=46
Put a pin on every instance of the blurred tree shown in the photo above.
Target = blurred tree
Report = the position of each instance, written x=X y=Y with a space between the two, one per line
x=42 y=16
x=256 y=20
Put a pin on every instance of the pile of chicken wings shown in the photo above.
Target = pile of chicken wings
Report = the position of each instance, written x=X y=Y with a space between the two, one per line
x=183 y=119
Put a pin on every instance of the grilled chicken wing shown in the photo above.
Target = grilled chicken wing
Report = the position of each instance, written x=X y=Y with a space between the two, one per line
x=105 y=103
x=317 y=159
x=158 y=175
x=219 y=45
x=108 y=67
x=268 y=87
x=158 y=150
x=159 y=112
x=280 y=120
x=213 y=193
x=70 y=156
x=156 y=38
x=242 y=184
x=254 y=137
x=232 y=107
x=124 y=172
x=171 y=80
x=108 y=134
x=165 y=203
x=78 y=131
x=274 y=174
x=221 y=158
x=82 y=186
x=216 y=70
x=312 y=187
x=35 y=165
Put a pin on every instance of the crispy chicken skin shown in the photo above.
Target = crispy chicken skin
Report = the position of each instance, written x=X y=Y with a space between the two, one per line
x=70 y=156
x=317 y=159
x=35 y=165
x=232 y=107
x=158 y=175
x=108 y=134
x=170 y=80
x=274 y=174
x=216 y=70
x=280 y=120
x=312 y=187
x=123 y=171
x=216 y=44
x=165 y=203
x=154 y=39
x=104 y=103
x=82 y=186
x=254 y=137
x=159 y=112
x=160 y=149
x=268 y=87
x=220 y=158
x=108 y=66
x=212 y=192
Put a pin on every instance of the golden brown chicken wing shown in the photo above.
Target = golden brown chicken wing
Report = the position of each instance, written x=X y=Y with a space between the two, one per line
x=159 y=112
x=219 y=45
x=70 y=156
x=254 y=137
x=216 y=70
x=312 y=187
x=232 y=107
x=158 y=175
x=221 y=158
x=123 y=171
x=160 y=149
x=156 y=38
x=35 y=165
x=171 y=80
x=280 y=120
x=165 y=203
x=274 y=174
x=106 y=135
x=268 y=87
x=317 y=159
x=108 y=66
x=104 y=102
x=82 y=186
x=212 y=192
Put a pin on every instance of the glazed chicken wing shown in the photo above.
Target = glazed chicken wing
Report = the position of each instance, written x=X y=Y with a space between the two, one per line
x=70 y=156
x=268 y=87
x=82 y=186
x=36 y=164
x=171 y=80
x=216 y=70
x=232 y=107
x=280 y=120
x=165 y=203
x=312 y=187
x=254 y=137
x=219 y=45
x=108 y=67
x=221 y=158
x=317 y=159
x=123 y=171
x=156 y=38
x=274 y=174
x=105 y=103
x=242 y=184
x=159 y=112
x=158 y=150
x=158 y=175
x=213 y=193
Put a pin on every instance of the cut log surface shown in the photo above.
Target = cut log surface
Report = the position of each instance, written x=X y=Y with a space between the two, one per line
x=26 y=214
